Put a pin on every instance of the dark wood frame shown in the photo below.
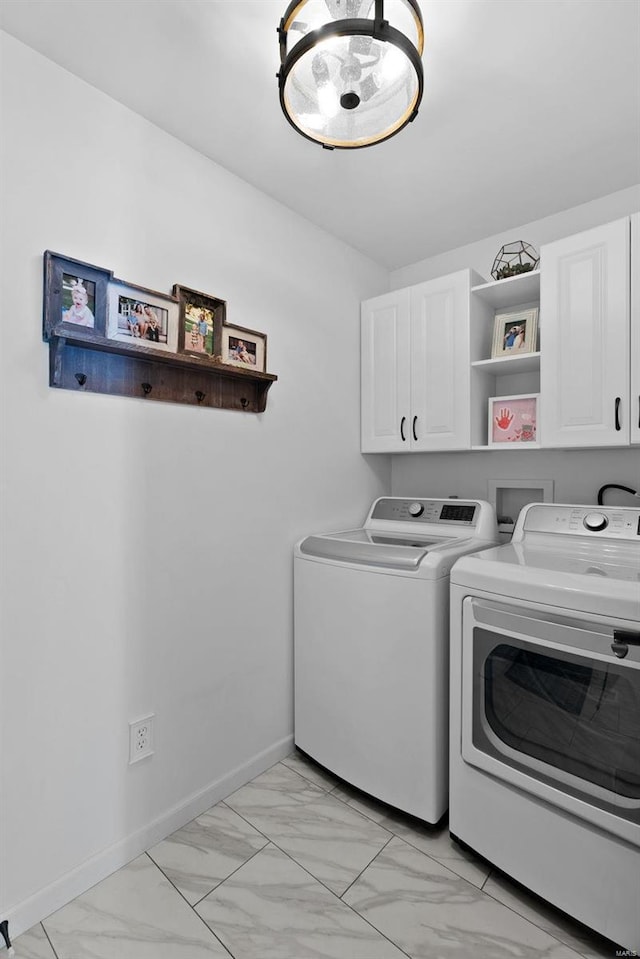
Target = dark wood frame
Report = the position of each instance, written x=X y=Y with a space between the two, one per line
x=55 y=266
x=255 y=334
x=187 y=297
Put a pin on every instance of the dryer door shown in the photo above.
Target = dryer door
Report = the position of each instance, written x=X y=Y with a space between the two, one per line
x=548 y=707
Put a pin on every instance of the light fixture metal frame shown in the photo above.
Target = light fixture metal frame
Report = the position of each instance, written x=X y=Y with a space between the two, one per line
x=378 y=29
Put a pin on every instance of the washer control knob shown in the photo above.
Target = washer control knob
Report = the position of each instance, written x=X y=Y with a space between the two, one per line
x=595 y=521
x=416 y=509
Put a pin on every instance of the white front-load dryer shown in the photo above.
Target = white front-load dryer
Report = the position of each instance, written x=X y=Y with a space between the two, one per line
x=545 y=711
x=371 y=655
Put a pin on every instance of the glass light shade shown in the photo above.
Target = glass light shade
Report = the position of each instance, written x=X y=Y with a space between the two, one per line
x=349 y=77
x=307 y=16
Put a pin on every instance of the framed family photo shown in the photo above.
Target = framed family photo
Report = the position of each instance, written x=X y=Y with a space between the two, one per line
x=142 y=317
x=75 y=295
x=513 y=420
x=243 y=347
x=515 y=333
x=200 y=321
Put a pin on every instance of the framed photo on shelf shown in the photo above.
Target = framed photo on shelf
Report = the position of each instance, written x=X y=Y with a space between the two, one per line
x=75 y=295
x=243 y=347
x=515 y=333
x=142 y=317
x=200 y=322
x=513 y=420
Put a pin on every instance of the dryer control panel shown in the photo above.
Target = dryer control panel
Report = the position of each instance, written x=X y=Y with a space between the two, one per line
x=609 y=522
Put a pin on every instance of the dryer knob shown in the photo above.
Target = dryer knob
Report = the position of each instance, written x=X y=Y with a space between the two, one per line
x=595 y=521
x=416 y=509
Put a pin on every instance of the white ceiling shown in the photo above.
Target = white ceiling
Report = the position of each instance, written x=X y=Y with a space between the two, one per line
x=530 y=107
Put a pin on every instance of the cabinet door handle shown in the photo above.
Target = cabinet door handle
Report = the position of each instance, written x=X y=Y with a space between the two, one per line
x=618 y=427
x=402 y=422
x=413 y=427
x=639 y=412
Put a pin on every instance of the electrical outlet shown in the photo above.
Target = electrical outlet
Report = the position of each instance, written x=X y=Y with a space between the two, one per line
x=141 y=738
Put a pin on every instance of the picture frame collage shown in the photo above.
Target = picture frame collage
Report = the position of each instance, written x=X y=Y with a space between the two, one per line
x=82 y=296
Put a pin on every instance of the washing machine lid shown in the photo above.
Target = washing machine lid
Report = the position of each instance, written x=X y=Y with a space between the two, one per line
x=373 y=548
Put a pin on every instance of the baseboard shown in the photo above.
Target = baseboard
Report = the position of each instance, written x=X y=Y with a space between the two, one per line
x=57 y=894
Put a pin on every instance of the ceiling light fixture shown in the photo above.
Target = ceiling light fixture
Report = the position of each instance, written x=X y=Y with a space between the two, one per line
x=351 y=70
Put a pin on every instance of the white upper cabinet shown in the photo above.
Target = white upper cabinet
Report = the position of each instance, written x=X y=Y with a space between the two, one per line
x=427 y=367
x=585 y=331
x=415 y=368
x=635 y=329
x=440 y=364
x=385 y=376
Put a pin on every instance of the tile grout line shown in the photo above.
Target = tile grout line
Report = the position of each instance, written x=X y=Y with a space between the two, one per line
x=222 y=882
x=272 y=842
x=364 y=918
x=207 y=926
x=49 y=940
x=553 y=935
x=308 y=778
x=408 y=841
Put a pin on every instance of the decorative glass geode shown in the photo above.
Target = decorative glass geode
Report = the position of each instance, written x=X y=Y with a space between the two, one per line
x=514 y=258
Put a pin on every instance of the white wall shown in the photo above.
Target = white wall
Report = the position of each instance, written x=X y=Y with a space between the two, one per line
x=146 y=547
x=480 y=255
x=577 y=474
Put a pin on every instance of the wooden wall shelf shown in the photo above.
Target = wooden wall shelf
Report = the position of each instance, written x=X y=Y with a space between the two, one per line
x=84 y=360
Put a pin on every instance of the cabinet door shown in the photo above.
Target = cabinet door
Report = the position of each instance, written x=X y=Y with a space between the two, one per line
x=635 y=328
x=584 y=338
x=440 y=375
x=385 y=388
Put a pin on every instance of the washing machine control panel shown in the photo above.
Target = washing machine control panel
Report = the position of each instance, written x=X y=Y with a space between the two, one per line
x=622 y=522
x=449 y=512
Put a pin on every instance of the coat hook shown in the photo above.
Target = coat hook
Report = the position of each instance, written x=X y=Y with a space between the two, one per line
x=4 y=929
x=200 y=396
x=81 y=378
x=244 y=402
x=146 y=388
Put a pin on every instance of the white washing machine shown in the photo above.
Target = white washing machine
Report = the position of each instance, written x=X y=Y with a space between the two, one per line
x=372 y=646
x=545 y=711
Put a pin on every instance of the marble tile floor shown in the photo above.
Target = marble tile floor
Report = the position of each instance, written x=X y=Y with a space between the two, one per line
x=297 y=865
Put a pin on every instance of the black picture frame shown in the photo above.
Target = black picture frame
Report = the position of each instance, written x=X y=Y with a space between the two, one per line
x=190 y=341
x=64 y=277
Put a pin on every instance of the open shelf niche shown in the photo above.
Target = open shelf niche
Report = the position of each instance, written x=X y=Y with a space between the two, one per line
x=504 y=375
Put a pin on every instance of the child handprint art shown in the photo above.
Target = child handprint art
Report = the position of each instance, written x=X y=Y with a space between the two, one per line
x=505 y=419
x=513 y=419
